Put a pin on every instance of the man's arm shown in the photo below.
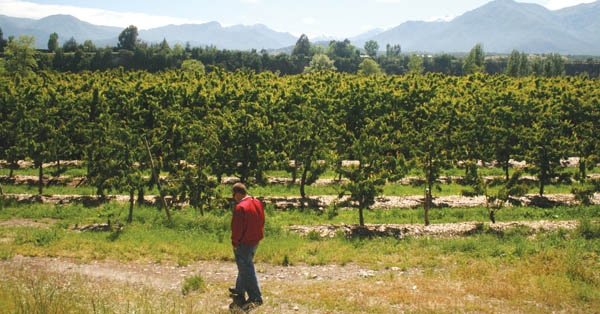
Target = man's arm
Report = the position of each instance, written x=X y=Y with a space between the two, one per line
x=237 y=226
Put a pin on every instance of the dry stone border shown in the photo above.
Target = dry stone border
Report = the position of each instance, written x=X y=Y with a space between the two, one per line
x=46 y=180
x=400 y=231
x=23 y=164
x=321 y=202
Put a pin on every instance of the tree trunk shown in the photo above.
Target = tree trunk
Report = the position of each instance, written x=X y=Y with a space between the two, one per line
x=427 y=204
x=294 y=173
x=505 y=167
x=582 y=170
x=430 y=179
x=131 y=202
x=361 y=218
x=13 y=165
x=200 y=205
x=140 y=197
x=40 y=179
x=303 y=179
x=542 y=180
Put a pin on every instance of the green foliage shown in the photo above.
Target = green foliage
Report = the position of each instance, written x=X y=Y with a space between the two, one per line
x=3 y=41
x=302 y=47
x=518 y=64
x=286 y=261
x=415 y=64
x=128 y=38
x=371 y=47
x=70 y=45
x=37 y=237
x=320 y=62
x=19 y=57
x=193 y=66
x=369 y=67
x=393 y=50
x=588 y=229
x=345 y=56
x=242 y=124
x=193 y=283
x=53 y=42
x=585 y=193
x=549 y=65
x=474 y=62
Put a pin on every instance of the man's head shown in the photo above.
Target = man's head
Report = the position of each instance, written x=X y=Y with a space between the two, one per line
x=239 y=191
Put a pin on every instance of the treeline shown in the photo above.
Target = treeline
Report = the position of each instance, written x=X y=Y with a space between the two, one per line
x=134 y=54
x=196 y=126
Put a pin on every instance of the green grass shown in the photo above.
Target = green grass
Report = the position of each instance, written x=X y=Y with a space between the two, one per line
x=39 y=291
x=194 y=237
x=69 y=172
x=193 y=283
x=49 y=190
x=558 y=269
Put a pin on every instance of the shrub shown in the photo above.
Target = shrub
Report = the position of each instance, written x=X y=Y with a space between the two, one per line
x=193 y=283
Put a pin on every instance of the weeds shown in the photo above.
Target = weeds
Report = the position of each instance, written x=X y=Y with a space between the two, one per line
x=558 y=269
x=193 y=283
x=588 y=229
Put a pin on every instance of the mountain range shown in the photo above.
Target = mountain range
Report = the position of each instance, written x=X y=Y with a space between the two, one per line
x=500 y=26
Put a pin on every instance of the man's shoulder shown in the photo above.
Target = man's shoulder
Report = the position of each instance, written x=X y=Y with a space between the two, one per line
x=250 y=201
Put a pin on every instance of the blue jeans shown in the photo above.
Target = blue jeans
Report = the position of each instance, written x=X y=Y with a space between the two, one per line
x=246 y=279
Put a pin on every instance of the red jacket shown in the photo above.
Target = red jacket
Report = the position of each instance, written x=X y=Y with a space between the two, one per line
x=247 y=222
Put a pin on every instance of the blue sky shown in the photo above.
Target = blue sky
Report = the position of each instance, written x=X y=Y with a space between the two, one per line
x=334 y=18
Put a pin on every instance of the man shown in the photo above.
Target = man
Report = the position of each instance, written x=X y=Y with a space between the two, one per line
x=247 y=229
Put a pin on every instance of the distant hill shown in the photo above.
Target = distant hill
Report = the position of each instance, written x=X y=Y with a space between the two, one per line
x=65 y=26
x=235 y=37
x=500 y=25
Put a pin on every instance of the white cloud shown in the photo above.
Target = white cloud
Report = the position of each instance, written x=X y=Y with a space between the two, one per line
x=95 y=16
x=559 y=4
x=251 y=1
x=309 y=21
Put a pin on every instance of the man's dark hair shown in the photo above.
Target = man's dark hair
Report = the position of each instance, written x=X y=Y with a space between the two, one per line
x=239 y=188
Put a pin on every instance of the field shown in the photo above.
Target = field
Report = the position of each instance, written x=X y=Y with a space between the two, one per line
x=57 y=258
x=152 y=266
x=93 y=237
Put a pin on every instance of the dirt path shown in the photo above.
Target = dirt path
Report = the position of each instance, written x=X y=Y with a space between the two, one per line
x=217 y=275
x=170 y=276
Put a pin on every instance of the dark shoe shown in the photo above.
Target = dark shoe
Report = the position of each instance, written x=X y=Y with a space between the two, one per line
x=250 y=305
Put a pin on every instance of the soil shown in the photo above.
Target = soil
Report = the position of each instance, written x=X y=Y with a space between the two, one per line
x=217 y=275
x=320 y=202
x=435 y=230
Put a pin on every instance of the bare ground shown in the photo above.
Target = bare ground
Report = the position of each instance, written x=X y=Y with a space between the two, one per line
x=217 y=274
x=383 y=202
x=434 y=230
